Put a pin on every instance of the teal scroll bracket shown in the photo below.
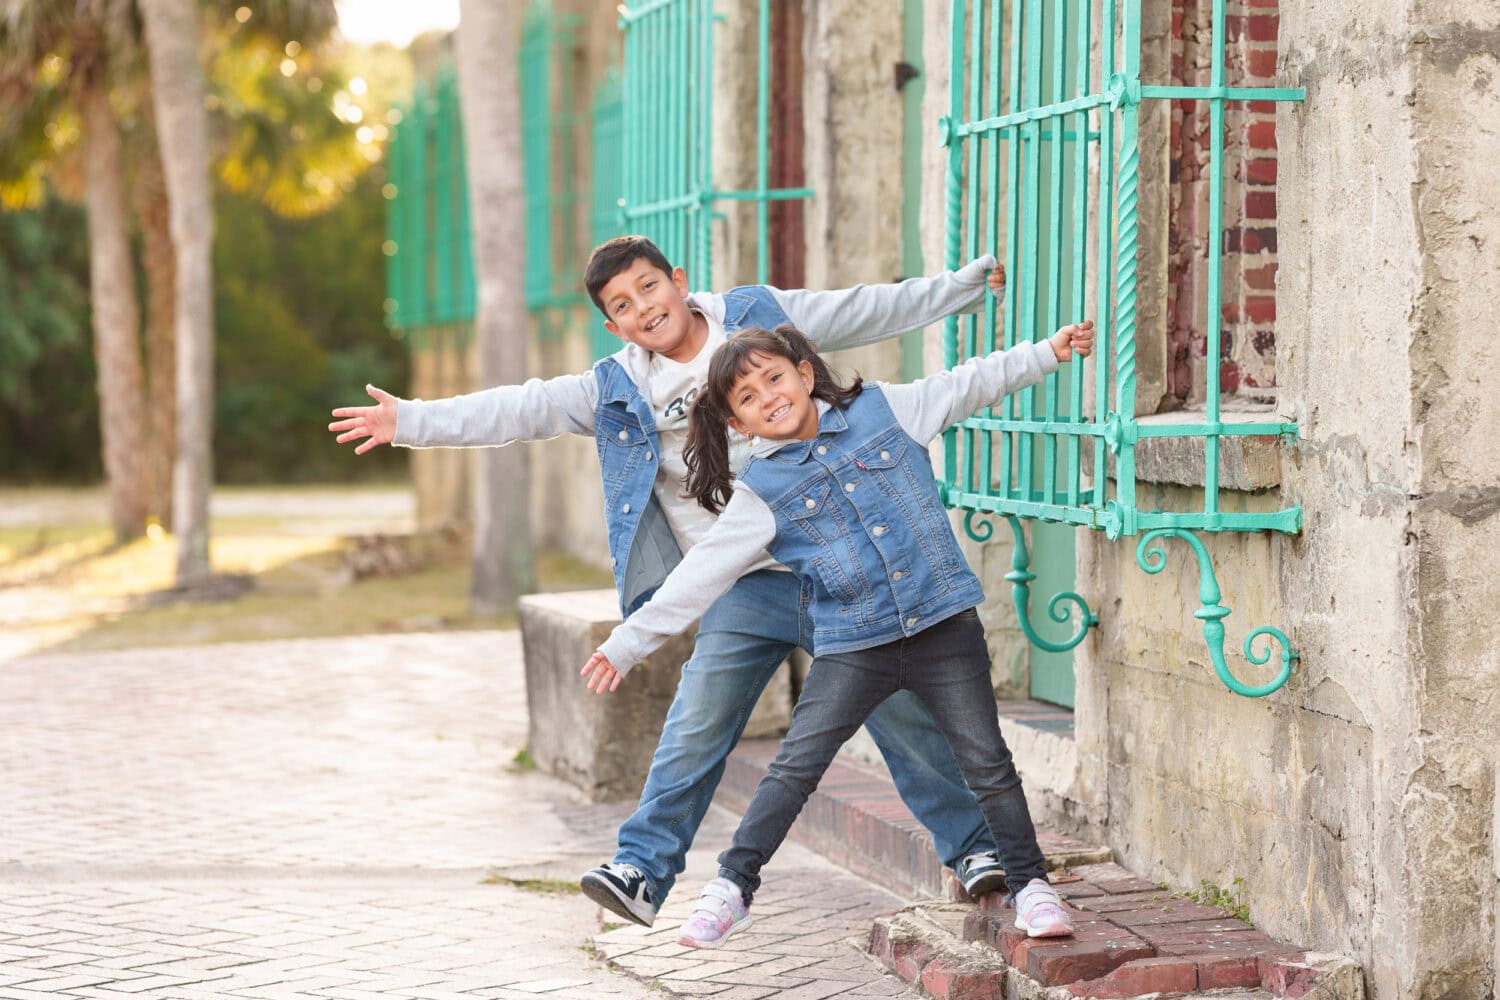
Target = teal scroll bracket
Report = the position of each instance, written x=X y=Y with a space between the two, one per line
x=1020 y=578
x=1153 y=559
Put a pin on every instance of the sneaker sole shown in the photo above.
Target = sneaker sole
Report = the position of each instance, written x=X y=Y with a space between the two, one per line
x=985 y=884
x=605 y=895
x=1062 y=930
x=688 y=942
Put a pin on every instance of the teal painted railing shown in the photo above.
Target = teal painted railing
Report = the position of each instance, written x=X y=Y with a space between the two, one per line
x=606 y=215
x=1037 y=96
x=666 y=162
x=548 y=120
x=429 y=258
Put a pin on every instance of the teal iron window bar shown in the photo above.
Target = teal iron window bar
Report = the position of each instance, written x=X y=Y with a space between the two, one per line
x=667 y=130
x=429 y=257
x=605 y=219
x=548 y=123
x=1040 y=96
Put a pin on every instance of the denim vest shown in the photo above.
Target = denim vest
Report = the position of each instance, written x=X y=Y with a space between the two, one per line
x=642 y=548
x=858 y=517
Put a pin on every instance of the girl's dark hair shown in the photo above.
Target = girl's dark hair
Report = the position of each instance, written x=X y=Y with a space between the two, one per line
x=709 y=479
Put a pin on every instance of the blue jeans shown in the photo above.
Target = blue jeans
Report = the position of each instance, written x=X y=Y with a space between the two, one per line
x=947 y=666
x=741 y=641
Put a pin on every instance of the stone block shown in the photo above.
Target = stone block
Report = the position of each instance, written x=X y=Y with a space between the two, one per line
x=601 y=743
x=604 y=743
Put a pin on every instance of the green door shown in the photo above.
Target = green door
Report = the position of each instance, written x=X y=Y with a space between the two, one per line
x=1052 y=545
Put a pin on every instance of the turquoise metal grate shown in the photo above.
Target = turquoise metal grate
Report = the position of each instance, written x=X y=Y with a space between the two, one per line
x=429 y=265
x=548 y=121
x=1036 y=93
x=666 y=180
x=606 y=217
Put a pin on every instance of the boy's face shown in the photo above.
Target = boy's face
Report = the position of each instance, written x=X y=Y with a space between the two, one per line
x=648 y=307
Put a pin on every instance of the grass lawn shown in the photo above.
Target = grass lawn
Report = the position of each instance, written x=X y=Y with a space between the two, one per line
x=295 y=573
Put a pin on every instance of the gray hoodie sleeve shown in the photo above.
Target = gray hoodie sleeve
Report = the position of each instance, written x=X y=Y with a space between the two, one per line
x=737 y=541
x=926 y=407
x=866 y=314
x=532 y=411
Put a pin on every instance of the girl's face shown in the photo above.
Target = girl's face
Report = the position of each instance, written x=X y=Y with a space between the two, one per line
x=773 y=400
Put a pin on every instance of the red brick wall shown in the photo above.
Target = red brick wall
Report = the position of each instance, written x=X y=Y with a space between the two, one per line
x=1247 y=318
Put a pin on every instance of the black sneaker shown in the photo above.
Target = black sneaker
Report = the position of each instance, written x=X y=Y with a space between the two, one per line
x=981 y=873
x=621 y=889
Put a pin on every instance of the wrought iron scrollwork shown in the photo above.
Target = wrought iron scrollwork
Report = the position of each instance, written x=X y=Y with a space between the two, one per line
x=1153 y=559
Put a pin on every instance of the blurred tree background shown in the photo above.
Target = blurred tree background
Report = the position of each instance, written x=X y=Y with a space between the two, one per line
x=298 y=125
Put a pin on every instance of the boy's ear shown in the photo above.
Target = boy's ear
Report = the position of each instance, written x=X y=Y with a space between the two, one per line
x=613 y=328
x=805 y=369
x=679 y=278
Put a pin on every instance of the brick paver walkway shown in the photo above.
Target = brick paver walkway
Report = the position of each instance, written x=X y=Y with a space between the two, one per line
x=327 y=818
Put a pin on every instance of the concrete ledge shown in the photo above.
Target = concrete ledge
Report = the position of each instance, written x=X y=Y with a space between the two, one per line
x=604 y=743
x=601 y=743
x=1245 y=463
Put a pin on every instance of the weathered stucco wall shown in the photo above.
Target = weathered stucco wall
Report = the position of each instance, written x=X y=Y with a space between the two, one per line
x=1359 y=803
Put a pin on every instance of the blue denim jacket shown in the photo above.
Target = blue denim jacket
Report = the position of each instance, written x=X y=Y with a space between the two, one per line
x=642 y=548
x=858 y=515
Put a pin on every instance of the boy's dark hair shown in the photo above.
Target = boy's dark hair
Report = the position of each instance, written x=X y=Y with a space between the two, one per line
x=613 y=256
x=709 y=479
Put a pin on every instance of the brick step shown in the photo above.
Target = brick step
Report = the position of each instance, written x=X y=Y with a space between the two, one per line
x=857 y=820
x=1133 y=936
x=1132 y=939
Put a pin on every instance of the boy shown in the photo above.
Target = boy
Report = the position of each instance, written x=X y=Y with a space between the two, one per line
x=635 y=403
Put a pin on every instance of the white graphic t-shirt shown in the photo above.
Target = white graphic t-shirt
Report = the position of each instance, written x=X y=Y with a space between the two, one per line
x=670 y=389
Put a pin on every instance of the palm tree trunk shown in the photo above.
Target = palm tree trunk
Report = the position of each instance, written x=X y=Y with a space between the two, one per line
x=487 y=81
x=177 y=93
x=161 y=389
x=116 y=314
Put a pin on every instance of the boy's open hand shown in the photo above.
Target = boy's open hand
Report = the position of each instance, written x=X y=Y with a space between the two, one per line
x=996 y=279
x=605 y=676
x=375 y=423
x=1076 y=338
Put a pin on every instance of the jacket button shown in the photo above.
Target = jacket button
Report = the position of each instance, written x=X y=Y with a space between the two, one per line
x=624 y=435
x=848 y=487
x=912 y=621
x=625 y=509
x=649 y=456
x=885 y=456
x=811 y=504
x=878 y=530
x=822 y=449
x=900 y=574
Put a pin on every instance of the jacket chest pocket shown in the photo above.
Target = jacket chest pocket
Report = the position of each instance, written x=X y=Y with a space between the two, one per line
x=885 y=459
x=819 y=540
x=622 y=450
x=612 y=432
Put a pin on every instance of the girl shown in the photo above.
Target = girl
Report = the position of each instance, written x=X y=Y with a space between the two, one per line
x=840 y=490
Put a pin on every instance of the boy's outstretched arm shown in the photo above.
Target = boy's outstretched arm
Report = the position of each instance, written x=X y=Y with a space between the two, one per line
x=376 y=424
x=533 y=411
x=865 y=314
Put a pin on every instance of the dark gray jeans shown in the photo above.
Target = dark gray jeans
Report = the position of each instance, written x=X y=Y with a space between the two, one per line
x=948 y=668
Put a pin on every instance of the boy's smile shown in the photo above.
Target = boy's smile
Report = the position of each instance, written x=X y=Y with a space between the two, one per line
x=648 y=307
x=773 y=400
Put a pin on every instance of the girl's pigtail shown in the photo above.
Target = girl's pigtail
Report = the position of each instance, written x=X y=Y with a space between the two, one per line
x=707 y=455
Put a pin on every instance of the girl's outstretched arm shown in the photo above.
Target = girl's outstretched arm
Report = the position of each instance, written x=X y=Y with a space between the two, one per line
x=928 y=406
x=736 y=541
